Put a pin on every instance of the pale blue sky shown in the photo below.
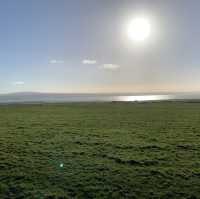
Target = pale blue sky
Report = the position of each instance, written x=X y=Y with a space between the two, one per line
x=82 y=46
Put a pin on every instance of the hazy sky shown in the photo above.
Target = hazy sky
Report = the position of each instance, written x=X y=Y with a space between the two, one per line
x=82 y=46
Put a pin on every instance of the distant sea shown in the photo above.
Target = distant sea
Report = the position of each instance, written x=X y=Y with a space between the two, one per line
x=28 y=97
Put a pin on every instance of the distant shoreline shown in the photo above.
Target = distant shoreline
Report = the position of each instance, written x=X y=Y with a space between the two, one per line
x=41 y=98
x=98 y=102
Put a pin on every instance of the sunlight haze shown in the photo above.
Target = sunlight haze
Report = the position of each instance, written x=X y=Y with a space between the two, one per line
x=109 y=46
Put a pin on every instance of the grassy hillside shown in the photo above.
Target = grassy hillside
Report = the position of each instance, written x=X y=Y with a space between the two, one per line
x=105 y=150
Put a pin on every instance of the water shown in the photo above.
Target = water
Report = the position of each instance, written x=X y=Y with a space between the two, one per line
x=44 y=97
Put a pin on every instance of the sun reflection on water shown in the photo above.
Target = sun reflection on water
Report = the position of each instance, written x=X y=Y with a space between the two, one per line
x=142 y=98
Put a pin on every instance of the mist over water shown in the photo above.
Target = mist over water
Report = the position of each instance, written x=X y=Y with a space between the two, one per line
x=48 y=98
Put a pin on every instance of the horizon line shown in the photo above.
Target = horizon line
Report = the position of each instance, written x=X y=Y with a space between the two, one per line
x=100 y=93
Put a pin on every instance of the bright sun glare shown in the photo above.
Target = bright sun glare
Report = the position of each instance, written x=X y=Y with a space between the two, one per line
x=139 y=29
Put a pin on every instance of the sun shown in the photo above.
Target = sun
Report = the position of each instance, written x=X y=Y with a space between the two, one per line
x=139 y=29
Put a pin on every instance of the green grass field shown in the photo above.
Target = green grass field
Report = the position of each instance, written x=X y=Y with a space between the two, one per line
x=100 y=150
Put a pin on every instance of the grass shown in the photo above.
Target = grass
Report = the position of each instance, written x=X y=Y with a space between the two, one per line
x=100 y=150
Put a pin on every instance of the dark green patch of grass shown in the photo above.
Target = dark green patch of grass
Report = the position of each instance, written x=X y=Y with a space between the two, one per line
x=100 y=150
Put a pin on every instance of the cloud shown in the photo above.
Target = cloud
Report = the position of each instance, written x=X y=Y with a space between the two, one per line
x=89 y=61
x=18 y=83
x=56 y=61
x=110 y=66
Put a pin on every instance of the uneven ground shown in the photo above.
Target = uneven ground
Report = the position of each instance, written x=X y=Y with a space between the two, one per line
x=100 y=150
